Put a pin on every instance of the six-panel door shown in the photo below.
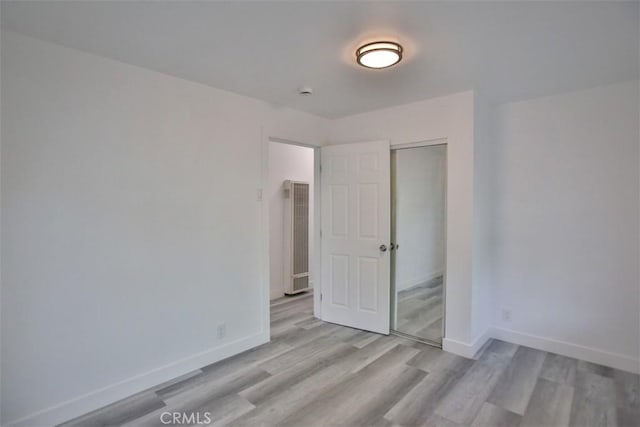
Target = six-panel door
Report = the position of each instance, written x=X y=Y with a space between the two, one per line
x=355 y=188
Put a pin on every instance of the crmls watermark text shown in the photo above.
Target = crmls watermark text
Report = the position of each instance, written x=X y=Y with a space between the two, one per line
x=189 y=418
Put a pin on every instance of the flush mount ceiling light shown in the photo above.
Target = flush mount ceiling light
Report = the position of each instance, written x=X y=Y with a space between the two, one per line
x=379 y=54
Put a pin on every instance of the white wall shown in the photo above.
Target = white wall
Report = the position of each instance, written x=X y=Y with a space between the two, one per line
x=486 y=155
x=420 y=215
x=450 y=117
x=294 y=163
x=130 y=224
x=567 y=223
x=1 y=133
x=119 y=185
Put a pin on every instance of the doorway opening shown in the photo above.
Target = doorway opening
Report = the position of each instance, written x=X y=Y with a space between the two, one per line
x=418 y=258
x=289 y=192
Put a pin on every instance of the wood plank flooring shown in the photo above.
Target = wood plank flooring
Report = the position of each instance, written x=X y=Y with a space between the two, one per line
x=314 y=373
x=420 y=309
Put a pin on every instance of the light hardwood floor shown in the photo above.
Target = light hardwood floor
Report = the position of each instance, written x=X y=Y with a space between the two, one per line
x=314 y=373
x=419 y=311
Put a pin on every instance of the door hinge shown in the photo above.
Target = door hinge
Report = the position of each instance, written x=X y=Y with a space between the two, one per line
x=321 y=232
x=320 y=296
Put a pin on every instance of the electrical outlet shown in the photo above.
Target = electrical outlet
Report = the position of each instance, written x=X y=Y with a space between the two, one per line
x=506 y=315
x=222 y=330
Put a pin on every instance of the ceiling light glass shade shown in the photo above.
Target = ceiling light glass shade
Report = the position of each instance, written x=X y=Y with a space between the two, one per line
x=379 y=54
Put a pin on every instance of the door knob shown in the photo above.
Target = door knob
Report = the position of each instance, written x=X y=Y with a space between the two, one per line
x=383 y=248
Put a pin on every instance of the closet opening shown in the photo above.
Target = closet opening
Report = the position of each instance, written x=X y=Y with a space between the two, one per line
x=418 y=236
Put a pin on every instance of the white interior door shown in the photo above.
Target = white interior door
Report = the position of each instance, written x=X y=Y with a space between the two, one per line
x=355 y=187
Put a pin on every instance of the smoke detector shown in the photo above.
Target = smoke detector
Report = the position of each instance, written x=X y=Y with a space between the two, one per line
x=305 y=91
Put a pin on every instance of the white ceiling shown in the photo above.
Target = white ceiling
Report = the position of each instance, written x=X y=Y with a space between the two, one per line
x=506 y=50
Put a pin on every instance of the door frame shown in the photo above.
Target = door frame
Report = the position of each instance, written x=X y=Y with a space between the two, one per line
x=426 y=143
x=316 y=265
x=266 y=232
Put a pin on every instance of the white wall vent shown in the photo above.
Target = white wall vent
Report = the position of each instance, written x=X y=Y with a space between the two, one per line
x=296 y=237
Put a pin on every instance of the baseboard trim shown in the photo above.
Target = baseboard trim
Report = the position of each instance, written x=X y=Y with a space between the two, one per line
x=409 y=284
x=280 y=293
x=98 y=398
x=564 y=348
x=468 y=350
x=275 y=295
